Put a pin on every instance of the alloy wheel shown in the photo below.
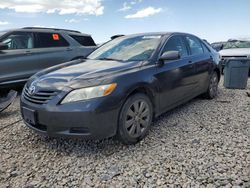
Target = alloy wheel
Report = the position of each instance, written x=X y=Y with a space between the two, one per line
x=213 y=87
x=137 y=118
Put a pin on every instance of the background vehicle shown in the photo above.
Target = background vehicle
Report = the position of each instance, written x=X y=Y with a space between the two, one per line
x=120 y=87
x=235 y=48
x=5 y=101
x=23 y=52
x=218 y=45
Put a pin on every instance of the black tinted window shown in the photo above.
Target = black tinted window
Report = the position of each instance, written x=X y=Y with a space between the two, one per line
x=176 y=43
x=46 y=40
x=19 y=40
x=195 y=45
x=84 y=40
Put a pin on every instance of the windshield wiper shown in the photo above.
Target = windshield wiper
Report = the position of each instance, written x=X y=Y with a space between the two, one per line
x=109 y=59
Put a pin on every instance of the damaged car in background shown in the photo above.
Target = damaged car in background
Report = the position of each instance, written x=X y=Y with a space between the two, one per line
x=236 y=49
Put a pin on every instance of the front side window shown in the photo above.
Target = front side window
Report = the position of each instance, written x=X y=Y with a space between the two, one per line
x=195 y=45
x=47 y=40
x=19 y=40
x=138 y=48
x=84 y=40
x=176 y=43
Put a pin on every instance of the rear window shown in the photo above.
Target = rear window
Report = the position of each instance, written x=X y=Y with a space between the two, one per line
x=84 y=40
x=47 y=40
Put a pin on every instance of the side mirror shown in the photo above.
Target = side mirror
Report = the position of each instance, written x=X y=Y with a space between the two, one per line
x=170 y=55
x=3 y=46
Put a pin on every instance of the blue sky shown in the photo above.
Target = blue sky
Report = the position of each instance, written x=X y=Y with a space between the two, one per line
x=214 y=20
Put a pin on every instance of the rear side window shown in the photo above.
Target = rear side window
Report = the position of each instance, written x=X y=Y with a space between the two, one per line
x=19 y=40
x=205 y=48
x=176 y=43
x=47 y=40
x=84 y=40
x=195 y=45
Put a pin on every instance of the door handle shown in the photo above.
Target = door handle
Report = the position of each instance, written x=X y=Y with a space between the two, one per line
x=28 y=52
x=190 y=61
x=69 y=49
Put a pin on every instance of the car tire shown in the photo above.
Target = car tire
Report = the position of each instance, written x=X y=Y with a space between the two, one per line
x=212 y=90
x=135 y=119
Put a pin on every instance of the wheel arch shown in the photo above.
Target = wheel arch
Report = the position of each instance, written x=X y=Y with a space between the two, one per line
x=148 y=91
x=217 y=70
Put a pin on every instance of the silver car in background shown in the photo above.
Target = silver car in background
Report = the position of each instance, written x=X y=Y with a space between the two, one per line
x=25 y=51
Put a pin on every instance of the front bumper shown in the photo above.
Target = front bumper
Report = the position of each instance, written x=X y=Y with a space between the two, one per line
x=92 y=119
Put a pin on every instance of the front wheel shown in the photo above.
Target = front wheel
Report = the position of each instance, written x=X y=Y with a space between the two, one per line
x=212 y=91
x=135 y=119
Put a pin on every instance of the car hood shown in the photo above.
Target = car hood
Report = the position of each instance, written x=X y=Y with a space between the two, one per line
x=236 y=52
x=83 y=72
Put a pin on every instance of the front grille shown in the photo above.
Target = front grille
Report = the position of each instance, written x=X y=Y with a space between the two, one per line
x=40 y=97
x=233 y=57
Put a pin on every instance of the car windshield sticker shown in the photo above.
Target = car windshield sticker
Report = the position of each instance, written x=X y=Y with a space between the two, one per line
x=55 y=37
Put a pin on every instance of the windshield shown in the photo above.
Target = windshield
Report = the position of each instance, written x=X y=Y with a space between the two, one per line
x=236 y=44
x=137 y=48
x=2 y=33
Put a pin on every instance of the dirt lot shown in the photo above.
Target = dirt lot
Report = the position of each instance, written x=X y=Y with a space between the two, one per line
x=200 y=144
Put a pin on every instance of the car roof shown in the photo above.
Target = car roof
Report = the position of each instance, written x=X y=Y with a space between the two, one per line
x=49 y=30
x=157 y=33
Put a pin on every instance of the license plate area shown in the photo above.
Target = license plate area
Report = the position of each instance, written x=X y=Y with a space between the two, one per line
x=29 y=116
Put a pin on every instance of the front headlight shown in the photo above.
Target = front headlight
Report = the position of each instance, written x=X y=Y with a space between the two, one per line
x=89 y=93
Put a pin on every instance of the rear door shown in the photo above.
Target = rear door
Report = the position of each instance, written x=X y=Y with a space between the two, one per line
x=52 y=48
x=16 y=63
x=176 y=78
x=201 y=57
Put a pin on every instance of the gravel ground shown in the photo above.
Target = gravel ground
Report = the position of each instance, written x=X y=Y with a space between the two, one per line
x=200 y=144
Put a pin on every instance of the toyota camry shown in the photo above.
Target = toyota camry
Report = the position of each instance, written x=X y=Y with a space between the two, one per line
x=120 y=87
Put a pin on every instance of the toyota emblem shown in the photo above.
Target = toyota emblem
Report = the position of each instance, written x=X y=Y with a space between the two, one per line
x=32 y=90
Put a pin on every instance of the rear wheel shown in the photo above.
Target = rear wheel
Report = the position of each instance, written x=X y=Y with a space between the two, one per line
x=212 y=91
x=135 y=119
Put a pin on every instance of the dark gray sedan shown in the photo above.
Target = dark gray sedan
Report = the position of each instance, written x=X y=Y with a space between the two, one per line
x=120 y=87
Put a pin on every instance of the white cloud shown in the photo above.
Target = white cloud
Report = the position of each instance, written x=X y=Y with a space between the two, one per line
x=72 y=20
x=146 y=12
x=128 y=5
x=125 y=7
x=4 y=23
x=135 y=2
x=92 y=7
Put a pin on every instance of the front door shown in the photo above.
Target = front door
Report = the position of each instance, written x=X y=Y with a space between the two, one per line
x=18 y=60
x=176 y=78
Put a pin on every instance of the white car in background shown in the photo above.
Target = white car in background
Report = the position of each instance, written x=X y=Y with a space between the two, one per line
x=236 y=48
